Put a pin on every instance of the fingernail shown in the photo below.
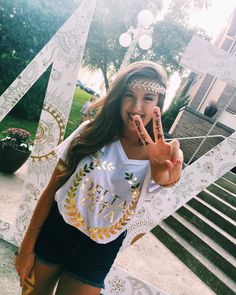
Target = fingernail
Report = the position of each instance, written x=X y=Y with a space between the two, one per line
x=174 y=160
x=169 y=165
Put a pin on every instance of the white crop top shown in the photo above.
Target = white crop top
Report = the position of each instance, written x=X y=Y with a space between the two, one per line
x=102 y=195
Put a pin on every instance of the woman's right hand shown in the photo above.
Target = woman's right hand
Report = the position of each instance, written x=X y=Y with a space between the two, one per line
x=24 y=264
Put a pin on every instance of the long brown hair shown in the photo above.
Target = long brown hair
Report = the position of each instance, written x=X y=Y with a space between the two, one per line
x=107 y=125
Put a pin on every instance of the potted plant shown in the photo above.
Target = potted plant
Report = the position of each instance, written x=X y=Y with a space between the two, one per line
x=15 y=149
x=211 y=109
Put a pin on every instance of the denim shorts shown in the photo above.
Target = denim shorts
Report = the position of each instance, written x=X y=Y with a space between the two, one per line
x=62 y=244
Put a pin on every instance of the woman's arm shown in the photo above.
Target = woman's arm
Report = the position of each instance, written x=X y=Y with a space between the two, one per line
x=165 y=158
x=25 y=257
x=42 y=210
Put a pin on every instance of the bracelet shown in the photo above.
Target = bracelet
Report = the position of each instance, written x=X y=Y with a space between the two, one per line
x=18 y=253
x=61 y=167
x=170 y=184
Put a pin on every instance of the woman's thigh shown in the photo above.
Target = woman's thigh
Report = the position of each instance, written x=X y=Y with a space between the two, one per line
x=42 y=279
x=68 y=285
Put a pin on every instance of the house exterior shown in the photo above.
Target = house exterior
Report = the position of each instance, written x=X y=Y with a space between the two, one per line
x=206 y=90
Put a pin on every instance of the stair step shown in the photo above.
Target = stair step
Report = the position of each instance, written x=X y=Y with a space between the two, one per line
x=230 y=176
x=226 y=185
x=201 y=247
x=220 y=199
x=217 y=203
x=208 y=273
x=222 y=193
x=207 y=228
x=207 y=240
x=213 y=215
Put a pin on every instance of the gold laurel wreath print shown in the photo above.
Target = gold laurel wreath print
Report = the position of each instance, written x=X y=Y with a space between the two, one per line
x=78 y=221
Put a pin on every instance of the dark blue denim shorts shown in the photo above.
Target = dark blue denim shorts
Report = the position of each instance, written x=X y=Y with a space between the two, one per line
x=63 y=244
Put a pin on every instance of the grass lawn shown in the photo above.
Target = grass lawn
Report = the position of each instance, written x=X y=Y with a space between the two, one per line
x=79 y=99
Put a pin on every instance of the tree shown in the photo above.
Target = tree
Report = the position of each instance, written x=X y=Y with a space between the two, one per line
x=170 y=36
x=111 y=18
x=171 y=113
x=25 y=27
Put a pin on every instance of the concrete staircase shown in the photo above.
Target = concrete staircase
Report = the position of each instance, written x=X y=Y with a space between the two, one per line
x=202 y=234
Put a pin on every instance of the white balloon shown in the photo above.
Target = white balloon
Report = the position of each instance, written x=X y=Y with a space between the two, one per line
x=125 y=39
x=145 y=42
x=145 y=18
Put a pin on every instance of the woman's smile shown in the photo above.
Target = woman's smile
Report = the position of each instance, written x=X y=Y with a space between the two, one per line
x=131 y=116
x=139 y=102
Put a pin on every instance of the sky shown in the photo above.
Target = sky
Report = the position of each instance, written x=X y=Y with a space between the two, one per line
x=215 y=17
x=212 y=21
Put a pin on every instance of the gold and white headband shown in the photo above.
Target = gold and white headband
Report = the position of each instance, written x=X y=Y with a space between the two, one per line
x=147 y=85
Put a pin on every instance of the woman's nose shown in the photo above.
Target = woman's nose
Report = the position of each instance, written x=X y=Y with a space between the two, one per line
x=137 y=105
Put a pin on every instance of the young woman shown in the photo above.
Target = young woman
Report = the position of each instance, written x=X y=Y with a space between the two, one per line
x=85 y=113
x=83 y=214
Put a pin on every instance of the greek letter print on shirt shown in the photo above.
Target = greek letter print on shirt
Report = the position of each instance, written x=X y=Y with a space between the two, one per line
x=102 y=195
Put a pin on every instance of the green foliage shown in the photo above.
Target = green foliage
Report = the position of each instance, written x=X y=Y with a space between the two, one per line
x=9 y=122
x=31 y=103
x=25 y=27
x=171 y=113
x=80 y=97
x=17 y=138
x=112 y=18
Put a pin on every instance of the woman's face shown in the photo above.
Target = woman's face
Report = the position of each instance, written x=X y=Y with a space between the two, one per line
x=140 y=102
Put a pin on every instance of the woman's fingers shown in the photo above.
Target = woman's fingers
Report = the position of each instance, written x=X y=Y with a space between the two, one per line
x=168 y=165
x=157 y=125
x=23 y=277
x=23 y=267
x=141 y=130
x=176 y=153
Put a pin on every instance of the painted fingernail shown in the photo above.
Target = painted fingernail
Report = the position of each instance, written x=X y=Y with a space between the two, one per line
x=169 y=165
x=174 y=160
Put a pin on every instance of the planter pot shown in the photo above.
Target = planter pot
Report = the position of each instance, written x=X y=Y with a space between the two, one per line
x=11 y=159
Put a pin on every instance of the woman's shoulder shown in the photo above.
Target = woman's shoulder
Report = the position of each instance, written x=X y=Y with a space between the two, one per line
x=80 y=128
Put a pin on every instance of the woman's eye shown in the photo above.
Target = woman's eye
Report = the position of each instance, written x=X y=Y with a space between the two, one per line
x=128 y=95
x=148 y=98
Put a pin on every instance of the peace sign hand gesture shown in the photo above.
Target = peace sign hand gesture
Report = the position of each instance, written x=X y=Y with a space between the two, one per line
x=165 y=158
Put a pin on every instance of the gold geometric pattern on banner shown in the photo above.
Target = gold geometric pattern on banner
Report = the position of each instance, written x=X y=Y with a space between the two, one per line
x=48 y=132
x=64 y=51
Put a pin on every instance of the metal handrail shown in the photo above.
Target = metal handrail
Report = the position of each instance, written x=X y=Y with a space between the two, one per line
x=212 y=127
x=194 y=137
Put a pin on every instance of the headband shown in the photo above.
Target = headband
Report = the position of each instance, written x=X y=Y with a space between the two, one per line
x=147 y=85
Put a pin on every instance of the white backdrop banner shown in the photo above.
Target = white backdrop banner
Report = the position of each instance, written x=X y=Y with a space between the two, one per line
x=64 y=52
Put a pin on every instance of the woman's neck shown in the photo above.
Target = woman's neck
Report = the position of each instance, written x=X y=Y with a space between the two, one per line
x=132 y=146
x=130 y=137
